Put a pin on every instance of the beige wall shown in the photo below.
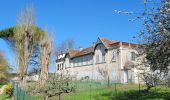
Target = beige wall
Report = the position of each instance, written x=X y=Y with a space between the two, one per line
x=87 y=65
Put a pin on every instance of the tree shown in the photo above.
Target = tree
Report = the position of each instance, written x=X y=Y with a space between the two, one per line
x=26 y=39
x=156 y=36
x=105 y=74
x=154 y=40
x=65 y=45
x=3 y=68
x=149 y=77
x=45 y=54
x=56 y=85
x=156 y=43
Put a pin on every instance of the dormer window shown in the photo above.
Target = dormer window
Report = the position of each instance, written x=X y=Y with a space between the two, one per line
x=133 y=56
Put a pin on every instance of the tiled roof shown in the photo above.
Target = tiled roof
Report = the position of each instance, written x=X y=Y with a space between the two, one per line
x=72 y=52
x=108 y=43
x=85 y=51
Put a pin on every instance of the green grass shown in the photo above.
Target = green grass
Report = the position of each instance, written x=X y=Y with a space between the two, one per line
x=100 y=91
x=4 y=97
x=122 y=92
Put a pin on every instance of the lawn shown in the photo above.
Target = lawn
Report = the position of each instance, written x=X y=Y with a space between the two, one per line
x=4 y=97
x=122 y=92
x=116 y=92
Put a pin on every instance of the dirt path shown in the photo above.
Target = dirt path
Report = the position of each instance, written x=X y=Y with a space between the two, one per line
x=2 y=89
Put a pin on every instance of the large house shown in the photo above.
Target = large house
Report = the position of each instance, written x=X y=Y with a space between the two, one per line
x=104 y=59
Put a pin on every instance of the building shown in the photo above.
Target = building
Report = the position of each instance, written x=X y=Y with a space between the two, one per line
x=105 y=58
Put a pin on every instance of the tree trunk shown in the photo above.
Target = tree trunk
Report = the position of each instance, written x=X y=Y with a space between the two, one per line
x=148 y=88
x=24 y=60
x=46 y=98
x=45 y=61
x=59 y=97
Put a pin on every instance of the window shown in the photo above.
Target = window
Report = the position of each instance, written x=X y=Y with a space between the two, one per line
x=133 y=56
x=81 y=61
x=114 y=56
x=97 y=58
x=62 y=65
x=86 y=60
x=89 y=60
x=73 y=63
x=58 y=66
x=103 y=57
x=77 y=62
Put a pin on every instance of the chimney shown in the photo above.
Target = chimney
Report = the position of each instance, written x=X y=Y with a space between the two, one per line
x=80 y=48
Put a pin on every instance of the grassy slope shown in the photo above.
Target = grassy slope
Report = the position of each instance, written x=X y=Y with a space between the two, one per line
x=102 y=93
x=120 y=92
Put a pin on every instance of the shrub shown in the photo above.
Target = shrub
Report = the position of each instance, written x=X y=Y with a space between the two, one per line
x=9 y=89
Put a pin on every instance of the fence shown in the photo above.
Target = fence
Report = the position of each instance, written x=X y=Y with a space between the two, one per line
x=97 y=90
x=20 y=94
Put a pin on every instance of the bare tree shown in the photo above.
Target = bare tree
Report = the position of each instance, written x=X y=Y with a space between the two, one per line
x=65 y=45
x=46 y=50
x=104 y=72
x=26 y=39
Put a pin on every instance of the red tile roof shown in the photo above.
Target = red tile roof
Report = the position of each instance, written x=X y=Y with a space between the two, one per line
x=108 y=43
x=85 y=51
x=72 y=52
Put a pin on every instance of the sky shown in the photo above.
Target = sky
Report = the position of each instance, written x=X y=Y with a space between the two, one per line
x=82 y=20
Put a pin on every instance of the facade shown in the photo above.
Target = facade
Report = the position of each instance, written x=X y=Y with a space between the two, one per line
x=104 y=59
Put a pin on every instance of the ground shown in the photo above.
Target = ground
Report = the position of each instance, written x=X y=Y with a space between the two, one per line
x=100 y=91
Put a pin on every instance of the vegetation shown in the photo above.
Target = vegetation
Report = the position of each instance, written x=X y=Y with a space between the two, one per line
x=9 y=90
x=100 y=91
x=5 y=97
x=156 y=37
x=65 y=45
x=46 y=47
x=4 y=68
x=56 y=85
x=123 y=92
x=154 y=55
x=31 y=43
x=156 y=43
x=26 y=41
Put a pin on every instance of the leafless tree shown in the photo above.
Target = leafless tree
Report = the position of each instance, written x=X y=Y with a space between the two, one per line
x=105 y=74
x=46 y=50
x=26 y=39
x=65 y=45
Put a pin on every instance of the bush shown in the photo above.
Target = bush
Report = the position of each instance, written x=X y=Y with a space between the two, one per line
x=9 y=89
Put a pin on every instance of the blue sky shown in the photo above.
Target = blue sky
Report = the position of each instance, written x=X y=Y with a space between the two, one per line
x=83 y=20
